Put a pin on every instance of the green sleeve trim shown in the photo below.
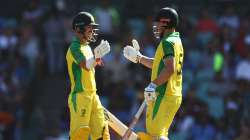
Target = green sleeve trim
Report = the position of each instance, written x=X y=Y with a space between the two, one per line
x=169 y=56
x=77 y=54
x=168 y=49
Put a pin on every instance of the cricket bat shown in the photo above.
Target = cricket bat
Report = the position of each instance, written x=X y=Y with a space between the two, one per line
x=129 y=131
x=118 y=126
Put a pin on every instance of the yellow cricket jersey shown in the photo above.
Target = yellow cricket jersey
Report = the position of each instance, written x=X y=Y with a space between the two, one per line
x=81 y=80
x=170 y=46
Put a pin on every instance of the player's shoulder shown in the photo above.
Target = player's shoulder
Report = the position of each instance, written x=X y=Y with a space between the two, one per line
x=167 y=42
x=173 y=36
x=171 y=39
x=74 y=45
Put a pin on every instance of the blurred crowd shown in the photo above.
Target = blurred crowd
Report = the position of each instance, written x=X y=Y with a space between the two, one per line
x=216 y=71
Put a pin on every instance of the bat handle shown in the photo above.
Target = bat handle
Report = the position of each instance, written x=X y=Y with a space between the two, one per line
x=135 y=120
x=127 y=134
x=130 y=129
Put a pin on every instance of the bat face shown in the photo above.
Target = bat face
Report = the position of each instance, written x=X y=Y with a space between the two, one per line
x=117 y=125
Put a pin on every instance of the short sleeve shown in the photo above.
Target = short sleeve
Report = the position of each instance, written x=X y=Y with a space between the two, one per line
x=76 y=53
x=168 y=49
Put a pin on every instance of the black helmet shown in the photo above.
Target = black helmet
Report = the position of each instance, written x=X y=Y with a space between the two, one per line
x=82 y=19
x=168 y=13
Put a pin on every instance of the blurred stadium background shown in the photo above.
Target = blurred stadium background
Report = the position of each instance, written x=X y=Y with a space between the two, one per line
x=34 y=35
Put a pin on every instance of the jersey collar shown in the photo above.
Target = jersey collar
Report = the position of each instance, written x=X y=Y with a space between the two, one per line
x=172 y=34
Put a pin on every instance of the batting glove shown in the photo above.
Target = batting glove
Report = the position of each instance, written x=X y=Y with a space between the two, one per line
x=132 y=52
x=149 y=93
x=102 y=49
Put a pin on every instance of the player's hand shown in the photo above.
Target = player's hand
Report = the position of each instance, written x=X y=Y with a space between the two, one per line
x=149 y=93
x=132 y=52
x=102 y=49
x=99 y=62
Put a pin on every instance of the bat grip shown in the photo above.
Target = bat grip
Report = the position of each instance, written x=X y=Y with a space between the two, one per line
x=127 y=134
x=136 y=118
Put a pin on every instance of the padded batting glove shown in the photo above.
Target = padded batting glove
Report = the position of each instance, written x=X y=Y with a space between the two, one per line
x=132 y=52
x=102 y=49
x=149 y=93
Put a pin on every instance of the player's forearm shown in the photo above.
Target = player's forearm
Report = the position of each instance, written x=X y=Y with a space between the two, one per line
x=163 y=76
x=146 y=61
x=89 y=64
x=83 y=65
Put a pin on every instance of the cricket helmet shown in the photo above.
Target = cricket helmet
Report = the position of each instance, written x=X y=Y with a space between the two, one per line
x=82 y=19
x=168 y=14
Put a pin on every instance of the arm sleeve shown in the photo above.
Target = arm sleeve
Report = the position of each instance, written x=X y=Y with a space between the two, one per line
x=168 y=49
x=77 y=54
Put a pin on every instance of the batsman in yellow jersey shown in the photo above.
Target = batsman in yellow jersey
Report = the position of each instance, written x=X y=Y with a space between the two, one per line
x=86 y=111
x=164 y=93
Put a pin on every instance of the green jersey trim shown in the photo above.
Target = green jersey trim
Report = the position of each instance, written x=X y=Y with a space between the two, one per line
x=168 y=49
x=77 y=72
x=76 y=52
